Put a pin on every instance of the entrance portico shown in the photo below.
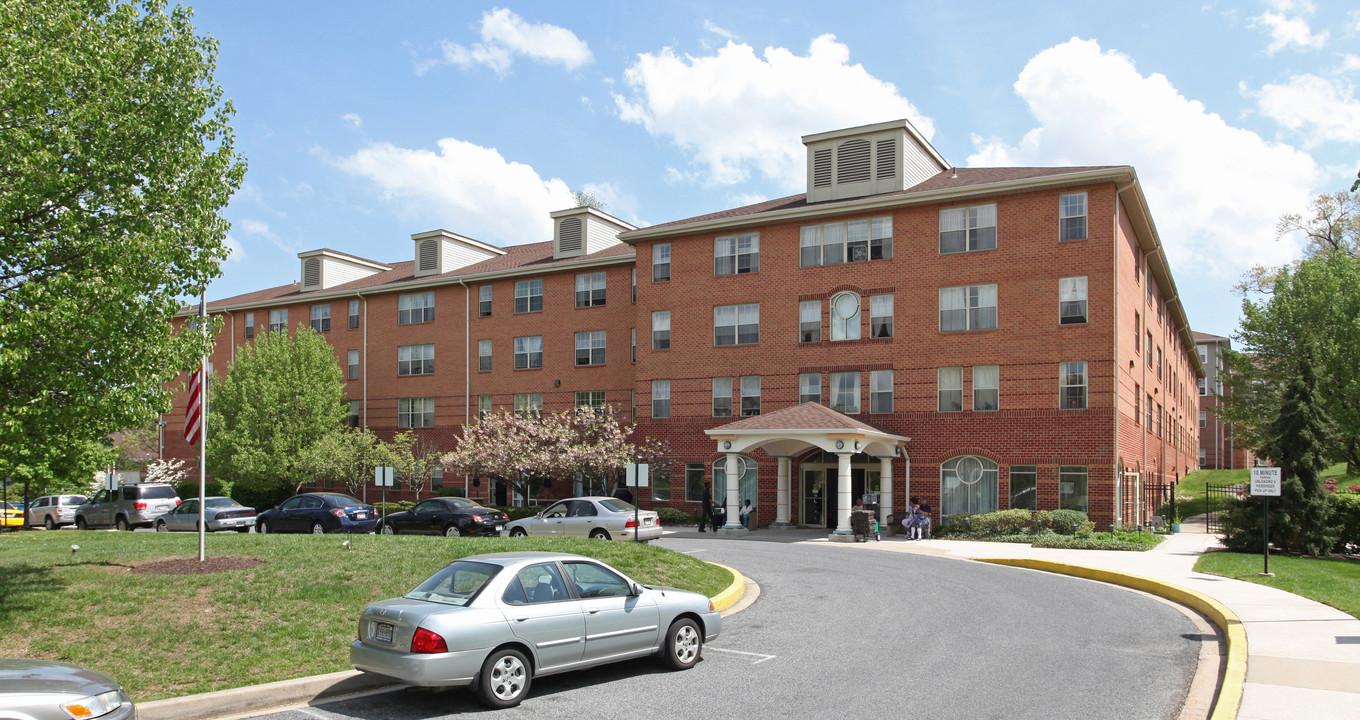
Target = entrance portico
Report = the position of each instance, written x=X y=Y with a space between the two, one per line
x=794 y=431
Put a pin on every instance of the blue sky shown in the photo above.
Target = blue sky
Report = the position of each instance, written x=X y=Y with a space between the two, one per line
x=364 y=122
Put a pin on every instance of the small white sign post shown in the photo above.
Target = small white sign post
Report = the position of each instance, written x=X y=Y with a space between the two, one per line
x=1265 y=483
x=382 y=477
x=637 y=478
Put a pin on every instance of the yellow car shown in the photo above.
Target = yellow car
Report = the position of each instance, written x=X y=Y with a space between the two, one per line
x=11 y=515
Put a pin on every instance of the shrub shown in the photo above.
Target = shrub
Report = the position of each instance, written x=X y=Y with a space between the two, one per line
x=450 y=491
x=395 y=506
x=1066 y=522
x=671 y=516
x=259 y=497
x=1346 y=521
x=956 y=524
x=1100 y=541
x=517 y=513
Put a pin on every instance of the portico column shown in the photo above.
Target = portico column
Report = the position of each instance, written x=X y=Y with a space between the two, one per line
x=781 y=513
x=843 y=494
x=733 y=502
x=885 y=490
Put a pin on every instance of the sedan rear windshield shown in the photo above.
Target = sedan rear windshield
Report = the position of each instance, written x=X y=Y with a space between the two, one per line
x=157 y=492
x=458 y=584
x=221 y=502
x=617 y=505
x=342 y=500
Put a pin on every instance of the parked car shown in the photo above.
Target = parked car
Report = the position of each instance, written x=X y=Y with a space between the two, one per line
x=452 y=516
x=49 y=690
x=593 y=517
x=130 y=506
x=54 y=511
x=495 y=622
x=318 y=513
x=222 y=513
x=11 y=515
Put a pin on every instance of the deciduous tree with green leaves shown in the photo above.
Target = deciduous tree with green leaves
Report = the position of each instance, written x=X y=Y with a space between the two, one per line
x=415 y=457
x=116 y=160
x=349 y=456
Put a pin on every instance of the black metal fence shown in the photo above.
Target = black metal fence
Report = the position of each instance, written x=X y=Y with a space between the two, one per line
x=1140 y=504
x=1217 y=500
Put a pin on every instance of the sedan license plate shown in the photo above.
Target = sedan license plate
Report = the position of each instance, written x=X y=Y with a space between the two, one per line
x=500 y=528
x=360 y=516
x=382 y=632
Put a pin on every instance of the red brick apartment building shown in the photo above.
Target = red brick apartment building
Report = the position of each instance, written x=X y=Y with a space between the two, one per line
x=1218 y=445
x=985 y=338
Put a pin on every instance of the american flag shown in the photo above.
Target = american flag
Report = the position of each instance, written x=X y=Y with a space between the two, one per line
x=193 y=416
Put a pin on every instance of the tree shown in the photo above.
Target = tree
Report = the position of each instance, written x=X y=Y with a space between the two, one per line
x=172 y=472
x=416 y=458
x=349 y=456
x=116 y=160
x=586 y=198
x=1333 y=226
x=280 y=397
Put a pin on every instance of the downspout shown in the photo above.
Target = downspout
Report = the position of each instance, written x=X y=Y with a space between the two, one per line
x=363 y=364
x=1118 y=471
x=467 y=377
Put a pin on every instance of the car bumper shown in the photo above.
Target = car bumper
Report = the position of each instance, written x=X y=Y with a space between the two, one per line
x=712 y=625
x=452 y=669
x=357 y=526
x=484 y=531
x=645 y=534
x=231 y=524
x=16 y=521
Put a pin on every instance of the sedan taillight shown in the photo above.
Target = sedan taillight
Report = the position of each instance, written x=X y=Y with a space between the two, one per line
x=425 y=641
x=338 y=512
x=630 y=523
x=478 y=518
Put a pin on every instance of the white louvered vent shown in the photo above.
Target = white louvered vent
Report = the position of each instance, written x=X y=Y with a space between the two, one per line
x=821 y=168
x=428 y=257
x=852 y=162
x=311 y=272
x=887 y=159
x=570 y=236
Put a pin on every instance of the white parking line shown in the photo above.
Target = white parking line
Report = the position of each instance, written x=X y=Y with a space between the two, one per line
x=762 y=659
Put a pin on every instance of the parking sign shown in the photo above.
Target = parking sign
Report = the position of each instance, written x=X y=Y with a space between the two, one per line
x=1265 y=482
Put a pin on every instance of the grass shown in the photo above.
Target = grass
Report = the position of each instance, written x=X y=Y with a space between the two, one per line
x=1333 y=581
x=1192 y=486
x=292 y=616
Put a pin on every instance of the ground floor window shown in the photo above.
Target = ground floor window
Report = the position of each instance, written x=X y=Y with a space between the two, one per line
x=660 y=479
x=1024 y=487
x=694 y=482
x=1072 y=487
x=746 y=485
x=968 y=484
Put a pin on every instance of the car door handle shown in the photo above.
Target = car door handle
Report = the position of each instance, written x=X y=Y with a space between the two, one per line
x=521 y=619
x=593 y=610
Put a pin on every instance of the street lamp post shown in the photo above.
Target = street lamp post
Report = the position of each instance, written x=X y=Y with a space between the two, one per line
x=160 y=453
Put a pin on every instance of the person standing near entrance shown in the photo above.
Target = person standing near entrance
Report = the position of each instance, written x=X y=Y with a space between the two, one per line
x=706 y=510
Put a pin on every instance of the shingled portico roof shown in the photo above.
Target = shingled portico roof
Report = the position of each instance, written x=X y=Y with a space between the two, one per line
x=796 y=429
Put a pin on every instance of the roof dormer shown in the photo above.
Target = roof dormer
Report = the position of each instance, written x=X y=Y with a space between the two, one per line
x=440 y=251
x=868 y=160
x=325 y=268
x=584 y=230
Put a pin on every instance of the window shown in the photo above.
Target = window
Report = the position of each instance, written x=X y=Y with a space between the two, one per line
x=528 y=403
x=353 y=314
x=971 y=307
x=661 y=482
x=845 y=392
x=853 y=241
x=1203 y=356
x=845 y=316
x=1137 y=334
x=353 y=419
x=986 y=387
x=661 y=329
x=810 y=387
x=736 y=254
x=352 y=369
x=722 y=397
x=590 y=348
x=881 y=316
x=1072 y=300
x=437 y=477
x=415 y=308
x=1072 y=487
x=415 y=412
x=634 y=285
x=736 y=324
x=1203 y=419
x=1203 y=385
x=529 y=352
x=1137 y=404
x=1024 y=487
x=950 y=389
x=1148 y=413
x=590 y=289
x=483 y=356
x=661 y=262
x=529 y=296
x=484 y=301
x=750 y=395
x=1161 y=417
x=694 y=482
x=880 y=391
x=278 y=321
x=632 y=343
x=968 y=229
x=1149 y=349
x=321 y=318
x=810 y=321
x=968 y=484
x=1072 y=386
x=1159 y=363
x=1072 y=217
x=250 y=325
x=589 y=399
x=415 y=360
x=1203 y=455
x=661 y=399
x=483 y=405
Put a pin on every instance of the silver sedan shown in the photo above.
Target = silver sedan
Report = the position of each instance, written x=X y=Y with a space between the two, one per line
x=494 y=622
x=593 y=517
x=223 y=513
x=49 y=690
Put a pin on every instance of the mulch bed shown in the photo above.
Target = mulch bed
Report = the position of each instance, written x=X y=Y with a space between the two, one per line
x=192 y=566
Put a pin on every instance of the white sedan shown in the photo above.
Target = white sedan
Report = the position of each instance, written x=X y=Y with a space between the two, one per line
x=601 y=518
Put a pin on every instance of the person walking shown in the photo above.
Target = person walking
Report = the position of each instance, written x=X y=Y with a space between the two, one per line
x=706 y=510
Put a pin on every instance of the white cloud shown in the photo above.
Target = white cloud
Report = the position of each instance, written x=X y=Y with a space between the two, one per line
x=1215 y=190
x=505 y=35
x=1319 y=108
x=479 y=192
x=1289 y=32
x=235 y=251
x=710 y=26
x=256 y=228
x=1349 y=63
x=353 y=120
x=735 y=113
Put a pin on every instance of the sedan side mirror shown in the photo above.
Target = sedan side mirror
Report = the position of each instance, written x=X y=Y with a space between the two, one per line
x=637 y=589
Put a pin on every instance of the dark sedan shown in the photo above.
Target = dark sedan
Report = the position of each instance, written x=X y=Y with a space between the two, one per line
x=319 y=513
x=452 y=516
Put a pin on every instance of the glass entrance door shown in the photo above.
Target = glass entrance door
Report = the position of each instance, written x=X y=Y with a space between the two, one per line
x=814 y=498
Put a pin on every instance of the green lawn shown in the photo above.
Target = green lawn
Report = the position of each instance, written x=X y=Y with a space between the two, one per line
x=1333 y=581
x=1192 y=485
x=292 y=616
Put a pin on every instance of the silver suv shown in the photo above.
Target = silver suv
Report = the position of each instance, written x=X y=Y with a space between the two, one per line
x=130 y=506
x=53 y=511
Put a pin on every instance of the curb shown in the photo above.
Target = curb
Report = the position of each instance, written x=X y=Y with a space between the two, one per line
x=1235 y=664
x=734 y=592
x=237 y=702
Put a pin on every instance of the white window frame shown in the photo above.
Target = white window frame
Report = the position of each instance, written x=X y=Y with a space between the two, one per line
x=352 y=365
x=810 y=387
x=851 y=241
x=750 y=395
x=661 y=329
x=484 y=355
x=483 y=405
x=810 y=321
x=590 y=289
x=1072 y=475
x=278 y=320
x=1072 y=217
x=844 y=392
x=661 y=262
x=528 y=296
x=661 y=399
x=415 y=412
x=967 y=229
x=484 y=295
x=880 y=316
x=353 y=315
x=969 y=300
x=593 y=399
x=736 y=254
x=1203 y=384
x=415 y=360
x=1072 y=308
x=528 y=403
x=529 y=352
x=250 y=325
x=722 y=396
x=741 y=319
x=846 y=308
x=986 y=388
x=880 y=392
x=590 y=346
x=949 y=380
x=321 y=318
x=1203 y=419
x=1073 y=377
x=414 y=308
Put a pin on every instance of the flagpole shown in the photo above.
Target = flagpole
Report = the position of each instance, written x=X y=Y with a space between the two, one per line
x=203 y=433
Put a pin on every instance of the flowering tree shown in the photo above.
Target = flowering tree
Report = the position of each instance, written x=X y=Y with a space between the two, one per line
x=172 y=472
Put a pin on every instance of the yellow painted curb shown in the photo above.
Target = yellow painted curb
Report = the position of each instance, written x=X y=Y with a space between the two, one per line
x=734 y=592
x=1234 y=666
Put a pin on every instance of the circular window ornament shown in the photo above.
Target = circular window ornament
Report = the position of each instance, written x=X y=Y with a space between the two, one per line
x=740 y=465
x=845 y=305
x=969 y=470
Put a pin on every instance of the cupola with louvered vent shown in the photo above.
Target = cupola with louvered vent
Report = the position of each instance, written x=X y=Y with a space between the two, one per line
x=584 y=230
x=868 y=160
x=440 y=251
x=323 y=269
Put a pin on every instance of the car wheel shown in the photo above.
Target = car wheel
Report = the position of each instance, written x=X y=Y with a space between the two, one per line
x=452 y=531
x=518 y=532
x=683 y=644
x=504 y=680
x=122 y=524
x=160 y=527
x=47 y=523
x=599 y=534
x=318 y=529
x=388 y=529
x=80 y=524
x=263 y=527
